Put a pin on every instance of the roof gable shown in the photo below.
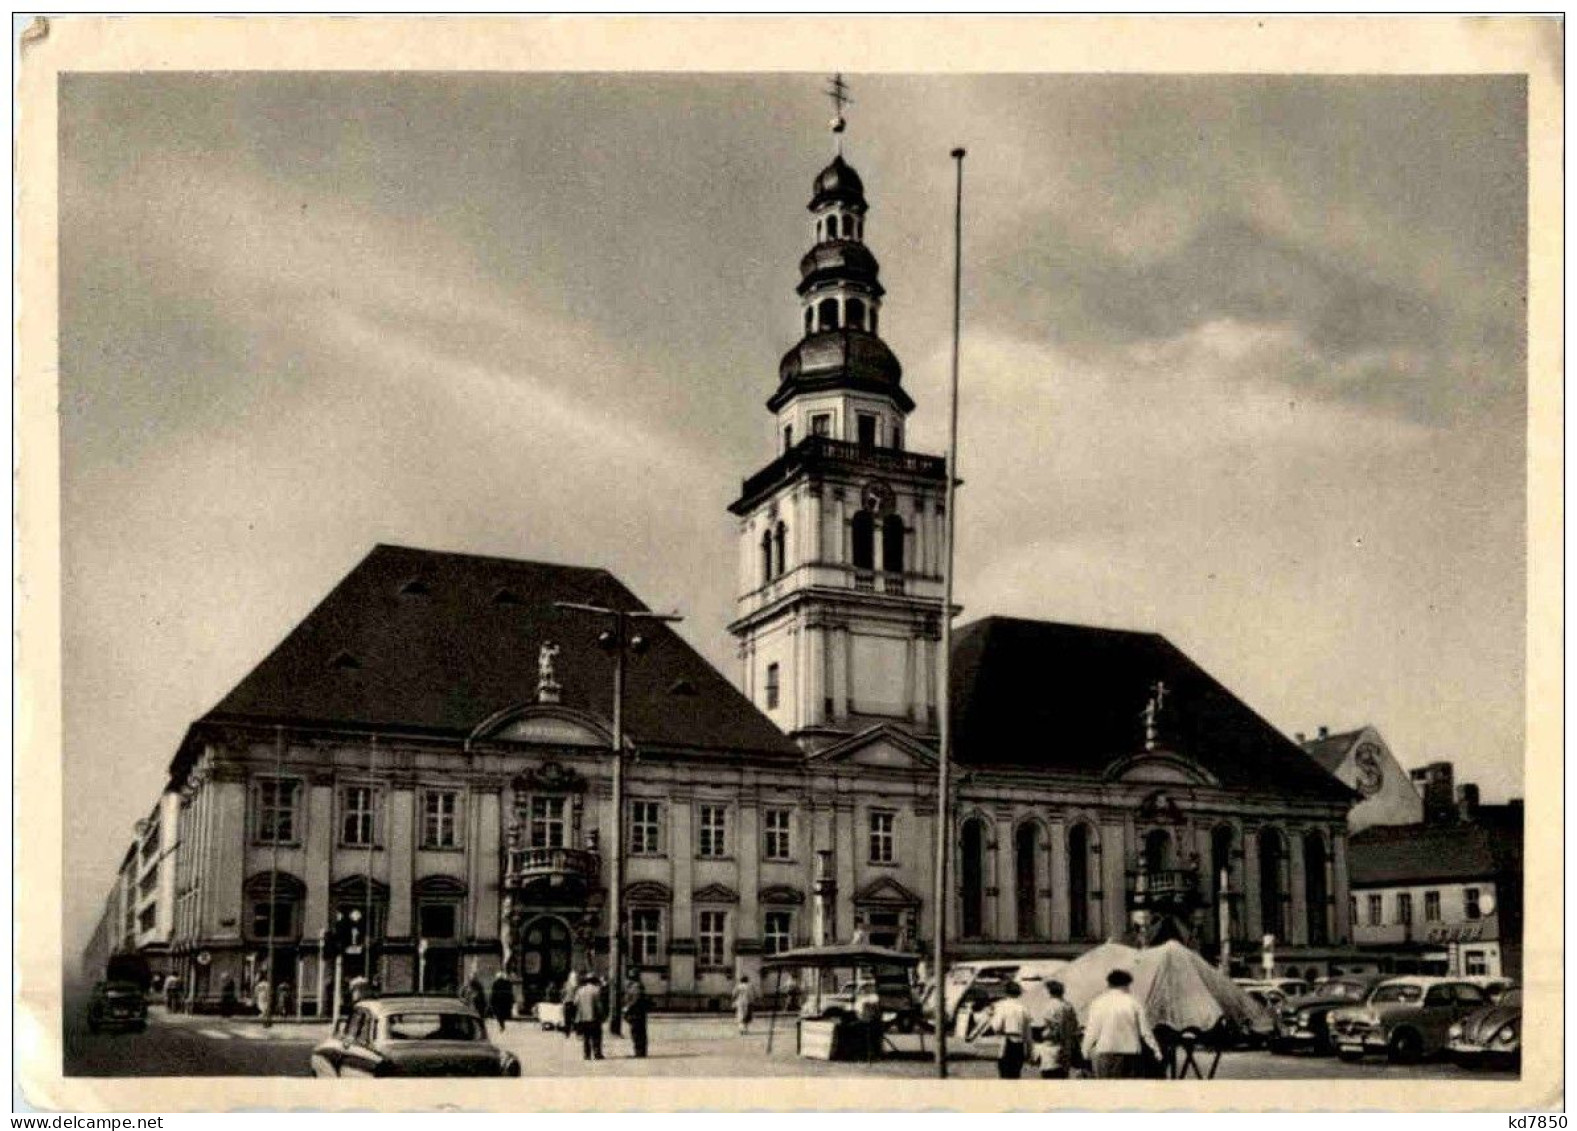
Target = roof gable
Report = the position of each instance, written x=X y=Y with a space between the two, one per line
x=1331 y=750
x=1072 y=698
x=437 y=651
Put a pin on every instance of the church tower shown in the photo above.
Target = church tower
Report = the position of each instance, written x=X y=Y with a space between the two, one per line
x=840 y=576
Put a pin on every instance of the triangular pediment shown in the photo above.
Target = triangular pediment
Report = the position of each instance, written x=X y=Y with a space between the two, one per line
x=883 y=746
x=715 y=893
x=886 y=891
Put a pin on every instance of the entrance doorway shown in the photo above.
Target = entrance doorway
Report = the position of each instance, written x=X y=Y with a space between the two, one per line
x=545 y=951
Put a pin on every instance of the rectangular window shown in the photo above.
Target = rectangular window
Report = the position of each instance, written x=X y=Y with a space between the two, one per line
x=1470 y=903
x=1431 y=907
x=775 y=834
x=898 y=437
x=276 y=810
x=1376 y=912
x=1477 y=962
x=882 y=848
x=711 y=938
x=821 y=424
x=356 y=816
x=1404 y=908
x=713 y=831
x=646 y=936
x=547 y=822
x=439 y=809
x=645 y=824
x=438 y=920
x=777 y=932
x=865 y=429
x=772 y=687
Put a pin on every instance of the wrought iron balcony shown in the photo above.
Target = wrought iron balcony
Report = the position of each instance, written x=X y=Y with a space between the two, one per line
x=552 y=866
x=815 y=453
x=1164 y=889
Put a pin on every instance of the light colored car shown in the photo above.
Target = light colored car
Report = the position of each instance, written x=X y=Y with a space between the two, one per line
x=412 y=1035
x=979 y=984
x=1404 y=1019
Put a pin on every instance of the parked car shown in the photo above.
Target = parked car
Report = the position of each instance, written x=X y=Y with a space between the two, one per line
x=1491 y=1036
x=1286 y=987
x=1405 y=1018
x=1304 y=1022
x=412 y=1035
x=1493 y=985
x=1258 y=1036
x=973 y=986
x=117 y=1005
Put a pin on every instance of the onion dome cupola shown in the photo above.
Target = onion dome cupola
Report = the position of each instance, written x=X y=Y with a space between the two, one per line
x=840 y=295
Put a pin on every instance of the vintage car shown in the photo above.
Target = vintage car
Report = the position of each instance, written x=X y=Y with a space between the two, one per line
x=976 y=986
x=1405 y=1018
x=117 y=1005
x=1304 y=1022
x=1489 y=1037
x=412 y=1035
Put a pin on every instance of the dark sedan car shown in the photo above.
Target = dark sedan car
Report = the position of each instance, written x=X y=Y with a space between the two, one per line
x=1303 y=1022
x=412 y=1035
x=1489 y=1037
x=117 y=1005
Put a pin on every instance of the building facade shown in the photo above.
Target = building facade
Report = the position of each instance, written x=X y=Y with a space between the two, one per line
x=1362 y=760
x=1443 y=895
x=416 y=784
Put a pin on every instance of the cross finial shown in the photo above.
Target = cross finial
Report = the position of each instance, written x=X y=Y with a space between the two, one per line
x=838 y=91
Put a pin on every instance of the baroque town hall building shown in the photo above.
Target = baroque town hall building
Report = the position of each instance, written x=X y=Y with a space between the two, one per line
x=419 y=776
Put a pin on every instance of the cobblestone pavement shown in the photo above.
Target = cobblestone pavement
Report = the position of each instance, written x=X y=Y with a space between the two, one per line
x=684 y=1046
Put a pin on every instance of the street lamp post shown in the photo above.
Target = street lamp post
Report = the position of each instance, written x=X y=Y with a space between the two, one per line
x=618 y=640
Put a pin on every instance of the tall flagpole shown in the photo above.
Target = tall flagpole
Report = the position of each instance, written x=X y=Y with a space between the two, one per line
x=372 y=839
x=273 y=874
x=944 y=806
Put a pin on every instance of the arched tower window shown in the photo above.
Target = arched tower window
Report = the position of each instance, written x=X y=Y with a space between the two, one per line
x=1270 y=853
x=848 y=227
x=827 y=314
x=892 y=544
x=854 y=313
x=1026 y=886
x=779 y=536
x=810 y=319
x=1314 y=887
x=766 y=556
x=864 y=541
x=973 y=877
x=1079 y=882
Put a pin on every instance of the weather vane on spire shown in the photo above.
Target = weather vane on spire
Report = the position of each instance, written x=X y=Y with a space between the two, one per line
x=838 y=91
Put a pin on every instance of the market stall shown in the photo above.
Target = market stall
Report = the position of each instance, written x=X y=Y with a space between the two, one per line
x=851 y=997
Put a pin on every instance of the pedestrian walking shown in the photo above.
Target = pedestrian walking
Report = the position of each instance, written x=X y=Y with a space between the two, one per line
x=475 y=996
x=1010 y=1020
x=571 y=986
x=1117 y=1032
x=172 y=993
x=263 y=999
x=789 y=989
x=1059 y=1030
x=227 y=997
x=744 y=1003
x=502 y=998
x=636 y=1007
x=284 y=1000
x=589 y=1016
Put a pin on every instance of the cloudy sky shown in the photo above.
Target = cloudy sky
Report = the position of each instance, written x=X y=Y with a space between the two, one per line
x=1243 y=364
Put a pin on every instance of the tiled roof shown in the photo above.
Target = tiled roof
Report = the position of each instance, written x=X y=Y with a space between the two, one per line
x=1331 y=751
x=1072 y=698
x=423 y=641
x=1388 y=855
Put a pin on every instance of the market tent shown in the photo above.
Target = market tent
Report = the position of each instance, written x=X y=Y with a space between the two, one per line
x=1177 y=987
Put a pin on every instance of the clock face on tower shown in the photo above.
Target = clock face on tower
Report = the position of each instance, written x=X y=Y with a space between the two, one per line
x=877 y=497
x=1371 y=773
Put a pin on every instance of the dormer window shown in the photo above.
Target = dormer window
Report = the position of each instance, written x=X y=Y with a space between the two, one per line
x=416 y=587
x=344 y=661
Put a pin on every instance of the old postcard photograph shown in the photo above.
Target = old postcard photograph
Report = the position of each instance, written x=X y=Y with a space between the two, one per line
x=618 y=563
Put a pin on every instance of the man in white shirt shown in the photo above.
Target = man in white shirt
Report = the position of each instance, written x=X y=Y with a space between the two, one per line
x=1010 y=1019
x=1116 y=1031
